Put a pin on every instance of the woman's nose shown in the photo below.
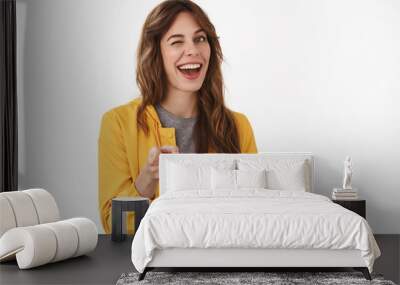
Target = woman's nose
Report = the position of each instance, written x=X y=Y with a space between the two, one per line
x=191 y=49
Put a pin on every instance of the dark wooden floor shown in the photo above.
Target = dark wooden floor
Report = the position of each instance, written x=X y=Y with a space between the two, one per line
x=389 y=262
x=110 y=260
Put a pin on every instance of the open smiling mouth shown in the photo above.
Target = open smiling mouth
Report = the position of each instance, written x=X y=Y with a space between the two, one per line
x=190 y=71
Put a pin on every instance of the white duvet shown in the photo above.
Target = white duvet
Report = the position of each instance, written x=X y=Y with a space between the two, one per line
x=251 y=218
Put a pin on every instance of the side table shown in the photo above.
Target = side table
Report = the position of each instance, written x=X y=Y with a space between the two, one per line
x=357 y=206
x=119 y=205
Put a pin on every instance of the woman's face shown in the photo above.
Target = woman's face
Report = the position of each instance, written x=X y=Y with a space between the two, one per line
x=186 y=53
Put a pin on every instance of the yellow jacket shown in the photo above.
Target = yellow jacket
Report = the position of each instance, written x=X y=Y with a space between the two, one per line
x=123 y=148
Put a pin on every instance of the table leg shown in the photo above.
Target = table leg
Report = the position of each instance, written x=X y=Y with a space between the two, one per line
x=140 y=211
x=116 y=216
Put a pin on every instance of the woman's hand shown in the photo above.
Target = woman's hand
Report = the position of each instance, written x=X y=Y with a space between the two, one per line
x=147 y=180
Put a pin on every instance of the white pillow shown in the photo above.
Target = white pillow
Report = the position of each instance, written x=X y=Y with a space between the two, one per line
x=228 y=179
x=223 y=179
x=181 y=178
x=282 y=174
x=187 y=174
x=251 y=178
x=288 y=179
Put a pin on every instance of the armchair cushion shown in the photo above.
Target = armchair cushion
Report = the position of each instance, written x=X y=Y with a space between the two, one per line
x=40 y=244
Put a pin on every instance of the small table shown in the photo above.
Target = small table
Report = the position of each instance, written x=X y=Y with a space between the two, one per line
x=357 y=206
x=119 y=205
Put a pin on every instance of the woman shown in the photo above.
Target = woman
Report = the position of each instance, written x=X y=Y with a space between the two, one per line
x=181 y=108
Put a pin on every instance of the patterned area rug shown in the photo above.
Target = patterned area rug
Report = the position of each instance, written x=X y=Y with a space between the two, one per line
x=229 y=278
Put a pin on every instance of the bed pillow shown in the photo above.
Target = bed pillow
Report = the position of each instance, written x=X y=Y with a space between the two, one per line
x=181 y=178
x=251 y=178
x=223 y=179
x=186 y=175
x=228 y=179
x=282 y=174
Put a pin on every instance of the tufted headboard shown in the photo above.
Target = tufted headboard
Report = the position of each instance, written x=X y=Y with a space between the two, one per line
x=202 y=159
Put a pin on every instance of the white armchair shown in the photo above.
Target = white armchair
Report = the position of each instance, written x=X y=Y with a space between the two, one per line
x=31 y=230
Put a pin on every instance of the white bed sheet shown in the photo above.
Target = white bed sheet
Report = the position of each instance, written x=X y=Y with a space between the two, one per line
x=250 y=218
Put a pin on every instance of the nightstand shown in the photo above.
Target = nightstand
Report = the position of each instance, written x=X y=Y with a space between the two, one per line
x=357 y=206
x=119 y=205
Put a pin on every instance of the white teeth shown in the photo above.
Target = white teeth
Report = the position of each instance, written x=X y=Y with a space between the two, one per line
x=190 y=66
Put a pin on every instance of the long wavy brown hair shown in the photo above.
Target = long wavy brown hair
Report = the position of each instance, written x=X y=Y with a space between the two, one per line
x=215 y=126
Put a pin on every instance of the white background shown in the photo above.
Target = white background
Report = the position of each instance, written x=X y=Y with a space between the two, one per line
x=320 y=76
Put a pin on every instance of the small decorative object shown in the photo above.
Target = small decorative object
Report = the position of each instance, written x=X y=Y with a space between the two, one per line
x=347 y=192
x=348 y=172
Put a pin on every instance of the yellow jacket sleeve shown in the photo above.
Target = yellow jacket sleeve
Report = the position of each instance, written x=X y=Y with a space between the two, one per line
x=115 y=177
x=246 y=136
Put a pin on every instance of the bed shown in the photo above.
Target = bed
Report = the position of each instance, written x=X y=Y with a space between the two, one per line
x=247 y=210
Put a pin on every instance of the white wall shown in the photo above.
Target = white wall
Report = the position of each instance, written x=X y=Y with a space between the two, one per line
x=320 y=76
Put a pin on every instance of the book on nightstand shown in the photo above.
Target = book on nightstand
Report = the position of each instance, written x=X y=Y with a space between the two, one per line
x=344 y=194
